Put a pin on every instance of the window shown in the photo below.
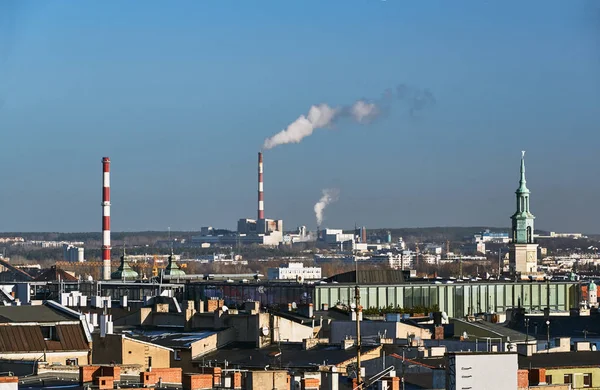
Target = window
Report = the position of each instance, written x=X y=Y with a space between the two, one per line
x=587 y=380
x=176 y=354
x=72 y=362
x=49 y=333
x=568 y=379
x=548 y=379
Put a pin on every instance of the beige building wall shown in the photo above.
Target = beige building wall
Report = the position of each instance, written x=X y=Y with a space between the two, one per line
x=122 y=350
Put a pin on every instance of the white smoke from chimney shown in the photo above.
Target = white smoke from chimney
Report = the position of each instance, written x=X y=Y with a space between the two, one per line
x=361 y=111
x=318 y=117
x=330 y=195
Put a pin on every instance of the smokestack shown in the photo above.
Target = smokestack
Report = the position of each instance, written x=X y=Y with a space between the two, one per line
x=261 y=199
x=106 y=218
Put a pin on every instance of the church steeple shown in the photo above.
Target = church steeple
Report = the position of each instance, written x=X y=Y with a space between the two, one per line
x=523 y=183
x=522 y=219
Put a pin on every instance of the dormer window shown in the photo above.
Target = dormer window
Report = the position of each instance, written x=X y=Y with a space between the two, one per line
x=49 y=333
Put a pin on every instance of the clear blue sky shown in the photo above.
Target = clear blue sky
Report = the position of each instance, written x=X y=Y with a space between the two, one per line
x=182 y=95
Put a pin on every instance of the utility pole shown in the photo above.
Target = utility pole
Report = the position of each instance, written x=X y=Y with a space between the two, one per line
x=358 y=311
x=499 y=262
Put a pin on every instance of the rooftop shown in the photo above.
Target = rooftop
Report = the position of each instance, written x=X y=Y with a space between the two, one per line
x=285 y=356
x=560 y=359
x=38 y=313
x=167 y=338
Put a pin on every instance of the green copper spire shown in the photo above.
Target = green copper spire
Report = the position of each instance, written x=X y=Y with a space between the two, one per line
x=124 y=272
x=523 y=183
x=172 y=267
x=522 y=219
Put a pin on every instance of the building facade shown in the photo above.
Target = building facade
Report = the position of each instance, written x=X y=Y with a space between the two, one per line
x=295 y=271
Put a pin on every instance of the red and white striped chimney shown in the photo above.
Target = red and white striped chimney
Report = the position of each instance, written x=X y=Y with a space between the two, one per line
x=106 y=218
x=261 y=199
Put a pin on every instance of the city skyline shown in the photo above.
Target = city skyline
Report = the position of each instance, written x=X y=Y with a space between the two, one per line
x=182 y=99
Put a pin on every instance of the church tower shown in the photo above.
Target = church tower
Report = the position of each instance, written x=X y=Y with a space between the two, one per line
x=523 y=251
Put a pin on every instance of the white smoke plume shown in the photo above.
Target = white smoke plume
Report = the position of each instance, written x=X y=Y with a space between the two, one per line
x=362 y=111
x=330 y=195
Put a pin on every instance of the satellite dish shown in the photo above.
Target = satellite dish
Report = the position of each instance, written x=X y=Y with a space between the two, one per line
x=260 y=289
x=265 y=330
x=445 y=316
x=299 y=279
x=465 y=335
x=294 y=306
x=353 y=305
x=224 y=308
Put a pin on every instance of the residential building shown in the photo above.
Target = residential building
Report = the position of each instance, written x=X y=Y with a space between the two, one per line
x=60 y=335
x=122 y=349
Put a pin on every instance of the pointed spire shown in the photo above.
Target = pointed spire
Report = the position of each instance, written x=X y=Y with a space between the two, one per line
x=522 y=181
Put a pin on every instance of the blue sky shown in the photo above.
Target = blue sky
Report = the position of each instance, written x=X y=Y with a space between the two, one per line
x=182 y=97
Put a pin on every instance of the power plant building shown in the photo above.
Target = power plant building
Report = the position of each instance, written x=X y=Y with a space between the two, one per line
x=73 y=254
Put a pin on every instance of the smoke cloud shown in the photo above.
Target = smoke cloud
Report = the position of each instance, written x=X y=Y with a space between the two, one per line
x=361 y=111
x=330 y=195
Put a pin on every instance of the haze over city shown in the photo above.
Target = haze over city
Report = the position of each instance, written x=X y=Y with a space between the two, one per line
x=183 y=98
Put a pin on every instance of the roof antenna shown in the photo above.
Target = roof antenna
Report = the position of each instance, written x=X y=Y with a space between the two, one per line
x=170 y=241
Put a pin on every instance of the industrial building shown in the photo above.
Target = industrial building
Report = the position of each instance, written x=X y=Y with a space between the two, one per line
x=260 y=231
x=294 y=271
x=72 y=253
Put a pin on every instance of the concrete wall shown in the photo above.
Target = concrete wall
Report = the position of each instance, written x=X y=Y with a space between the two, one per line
x=289 y=331
x=472 y=371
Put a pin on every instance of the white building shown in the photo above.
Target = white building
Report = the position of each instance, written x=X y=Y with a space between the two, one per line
x=468 y=370
x=336 y=236
x=496 y=238
x=433 y=249
x=296 y=271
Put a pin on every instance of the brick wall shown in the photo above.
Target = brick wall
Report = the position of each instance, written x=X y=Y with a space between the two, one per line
x=91 y=373
x=215 y=372
x=237 y=380
x=310 y=383
x=537 y=376
x=439 y=333
x=9 y=379
x=105 y=382
x=168 y=375
x=197 y=381
x=214 y=304
x=522 y=379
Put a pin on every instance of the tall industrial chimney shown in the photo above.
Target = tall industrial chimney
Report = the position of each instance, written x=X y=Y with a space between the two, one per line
x=261 y=199
x=106 y=218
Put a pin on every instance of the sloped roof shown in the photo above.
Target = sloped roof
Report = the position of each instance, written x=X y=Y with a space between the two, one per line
x=54 y=274
x=19 y=273
x=38 y=313
x=29 y=338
